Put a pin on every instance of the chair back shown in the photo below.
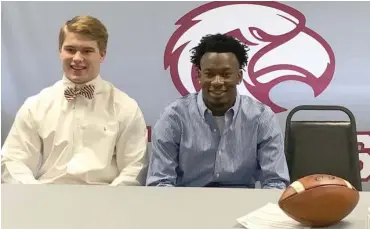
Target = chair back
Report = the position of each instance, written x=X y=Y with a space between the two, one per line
x=328 y=147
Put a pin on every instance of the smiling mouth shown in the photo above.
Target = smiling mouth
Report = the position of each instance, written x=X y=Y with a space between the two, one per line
x=217 y=93
x=77 y=68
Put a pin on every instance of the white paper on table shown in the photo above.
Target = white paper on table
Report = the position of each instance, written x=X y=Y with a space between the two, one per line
x=269 y=216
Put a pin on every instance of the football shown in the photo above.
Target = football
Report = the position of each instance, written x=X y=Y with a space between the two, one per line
x=319 y=200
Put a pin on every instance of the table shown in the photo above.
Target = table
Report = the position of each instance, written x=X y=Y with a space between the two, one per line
x=105 y=207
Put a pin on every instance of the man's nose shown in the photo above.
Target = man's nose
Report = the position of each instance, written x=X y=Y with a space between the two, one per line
x=77 y=56
x=217 y=80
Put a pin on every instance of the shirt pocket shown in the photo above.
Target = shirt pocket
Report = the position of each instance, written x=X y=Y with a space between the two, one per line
x=100 y=135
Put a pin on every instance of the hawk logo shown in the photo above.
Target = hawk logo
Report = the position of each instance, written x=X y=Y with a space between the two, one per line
x=363 y=139
x=282 y=48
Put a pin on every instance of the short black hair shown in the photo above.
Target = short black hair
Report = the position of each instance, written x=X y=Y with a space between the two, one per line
x=220 y=43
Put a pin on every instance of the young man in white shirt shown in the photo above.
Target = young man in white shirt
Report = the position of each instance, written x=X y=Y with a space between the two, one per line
x=82 y=129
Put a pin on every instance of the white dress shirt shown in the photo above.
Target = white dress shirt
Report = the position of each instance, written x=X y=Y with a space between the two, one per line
x=97 y=141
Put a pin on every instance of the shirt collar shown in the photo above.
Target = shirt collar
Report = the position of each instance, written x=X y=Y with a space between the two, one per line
x=97 y=82
x=203 y=108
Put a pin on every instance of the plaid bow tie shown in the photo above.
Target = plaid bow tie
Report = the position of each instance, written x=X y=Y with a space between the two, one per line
x=87 y=91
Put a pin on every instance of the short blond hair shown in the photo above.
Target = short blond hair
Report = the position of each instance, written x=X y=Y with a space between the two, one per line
x=87 y=26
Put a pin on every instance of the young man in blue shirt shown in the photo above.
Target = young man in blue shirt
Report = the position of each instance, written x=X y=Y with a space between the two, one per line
x=217 y=137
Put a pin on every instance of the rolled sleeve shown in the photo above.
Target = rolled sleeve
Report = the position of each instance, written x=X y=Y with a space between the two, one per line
x=131 y=148
x=271 y=156
x=22 y=149
x=163 y=160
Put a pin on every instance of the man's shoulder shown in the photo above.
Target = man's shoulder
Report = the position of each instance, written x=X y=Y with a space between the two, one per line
x=178 y=110
x=182 y=104
x=43 y=97
x=123 y=103
x=253 y=106
x=122 y=98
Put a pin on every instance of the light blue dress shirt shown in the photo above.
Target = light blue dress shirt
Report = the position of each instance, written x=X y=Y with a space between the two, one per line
x=188 y=150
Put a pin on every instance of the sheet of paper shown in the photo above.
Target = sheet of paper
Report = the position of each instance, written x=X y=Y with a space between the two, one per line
x=269 y=216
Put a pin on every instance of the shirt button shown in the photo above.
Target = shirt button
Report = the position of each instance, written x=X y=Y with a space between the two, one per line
x=214 y=130
x=217 y=175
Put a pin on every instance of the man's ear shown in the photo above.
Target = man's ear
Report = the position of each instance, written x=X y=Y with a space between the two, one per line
x=198 y=74
x=240 y=76
x=102 y=55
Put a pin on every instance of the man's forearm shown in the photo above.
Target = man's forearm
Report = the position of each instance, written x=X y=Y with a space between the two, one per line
x=131 y=177
x=274 y=185
x=17 y=173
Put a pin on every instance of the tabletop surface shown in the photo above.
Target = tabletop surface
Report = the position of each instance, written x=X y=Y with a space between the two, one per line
x=100 y=207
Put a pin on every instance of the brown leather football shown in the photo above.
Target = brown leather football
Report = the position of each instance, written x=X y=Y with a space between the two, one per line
x=319 y=200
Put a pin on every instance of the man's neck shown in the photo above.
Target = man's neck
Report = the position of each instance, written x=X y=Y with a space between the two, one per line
x=79 y=83
x=219 y=111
